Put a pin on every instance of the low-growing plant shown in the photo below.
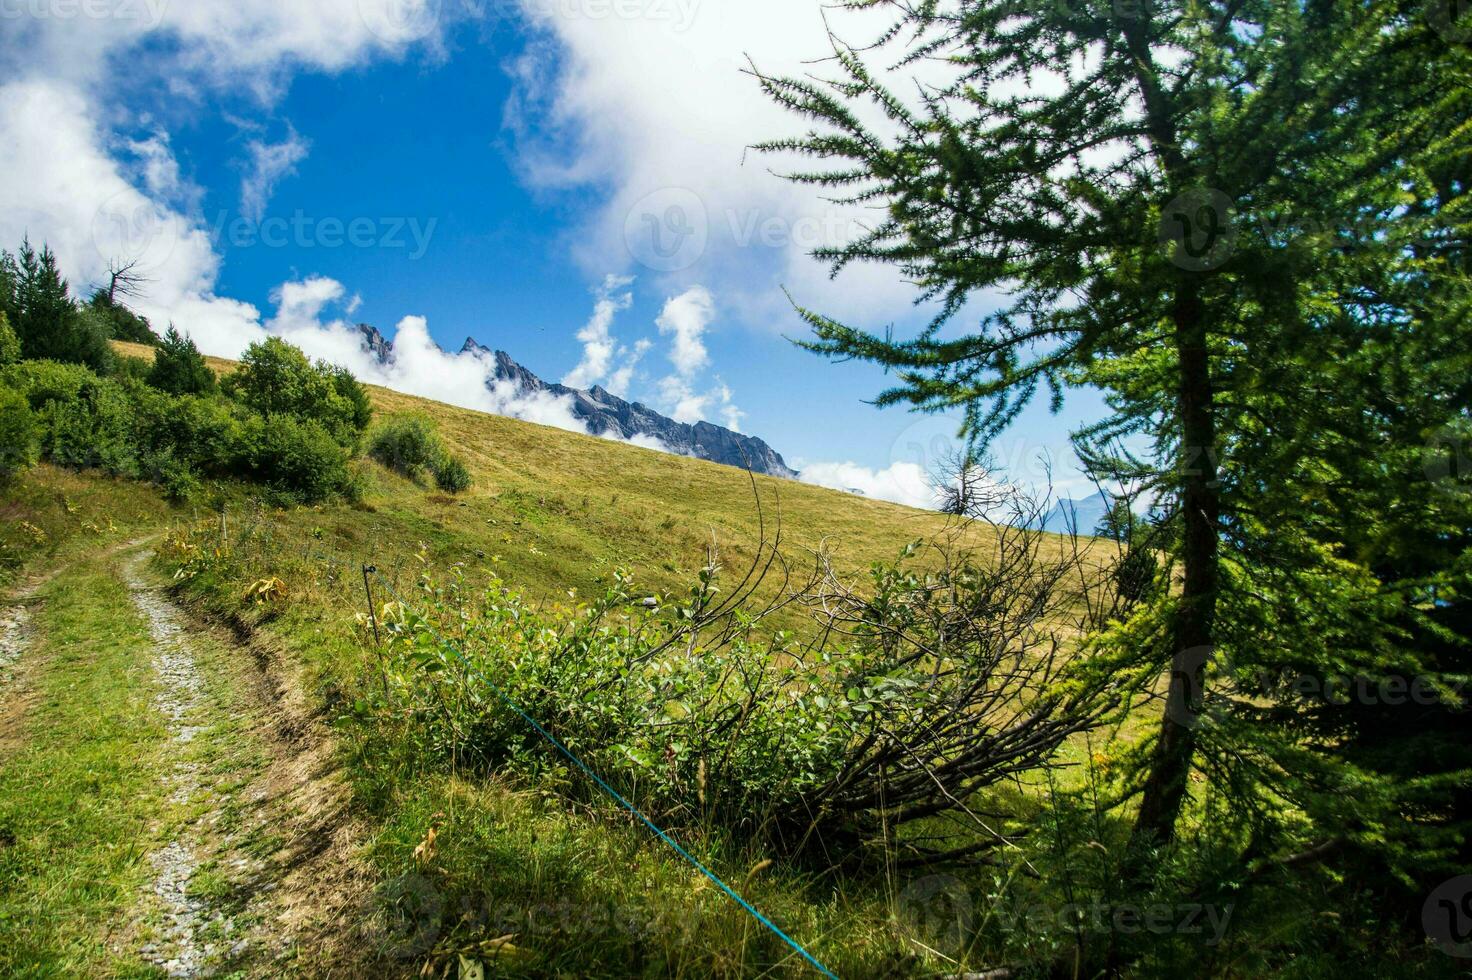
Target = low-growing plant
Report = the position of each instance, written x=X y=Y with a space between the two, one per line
x=921 y=689
x=451 y=475
x=406 y=444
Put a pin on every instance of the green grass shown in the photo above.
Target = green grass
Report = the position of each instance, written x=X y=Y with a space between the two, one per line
x=49 y=516
x=80 y=794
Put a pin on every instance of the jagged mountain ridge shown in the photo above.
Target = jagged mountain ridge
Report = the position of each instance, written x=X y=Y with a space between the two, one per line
x=605 y=413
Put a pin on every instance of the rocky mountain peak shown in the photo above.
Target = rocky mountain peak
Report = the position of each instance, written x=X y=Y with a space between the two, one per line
x=606 y=414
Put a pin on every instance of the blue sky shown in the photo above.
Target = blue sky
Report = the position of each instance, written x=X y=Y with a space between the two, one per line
x=496 y=161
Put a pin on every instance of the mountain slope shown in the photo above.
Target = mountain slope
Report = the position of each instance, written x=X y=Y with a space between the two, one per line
x=606 y=414
x=562 y=509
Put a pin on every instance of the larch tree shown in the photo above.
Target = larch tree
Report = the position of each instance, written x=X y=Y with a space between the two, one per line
x=1243 y=221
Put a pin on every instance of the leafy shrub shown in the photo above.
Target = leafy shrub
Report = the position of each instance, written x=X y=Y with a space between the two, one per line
x=179 y=368
x=131 y=368
x=44 y=381
x=406 y=444
x=358 y=409
x=93 y=429
x=17 y=433
x=174 y=476
x=768 y=736
x=450 y=474
x=132 y=429
x=296 y=457
x=277 y=379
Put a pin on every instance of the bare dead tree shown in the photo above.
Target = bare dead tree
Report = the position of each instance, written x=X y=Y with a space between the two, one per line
x=124 y=279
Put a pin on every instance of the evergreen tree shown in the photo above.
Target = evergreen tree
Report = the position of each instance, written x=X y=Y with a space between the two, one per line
x=1230 y=217
x=9 y=286
x=46 y=320
x=9 y=342
x=179 y=368
x=122 y=323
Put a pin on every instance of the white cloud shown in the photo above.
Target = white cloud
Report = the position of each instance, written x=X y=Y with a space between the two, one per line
x=685 y=319
x=731 y=416
x=619 y=381
x=94 y=194
x=658 y=110
x=683 y=404
x=250 y=43
x=900 y=483
x=596 y=336
x=686 y=316
x=269 y=163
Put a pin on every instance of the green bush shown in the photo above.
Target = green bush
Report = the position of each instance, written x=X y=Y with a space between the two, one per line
x=129 y=428
x=277 y=379
x=131 y=368
x=298 y=458
x=357 y=408
x=174 y=476
x=179 y=368
x=691 y=700
x=451 y=475
x=44 y=381
x=94 y=429
x=406 y=444
x=17 y=433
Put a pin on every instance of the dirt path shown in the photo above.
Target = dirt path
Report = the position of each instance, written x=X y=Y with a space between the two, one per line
x=262 y=877
x=194 y=928
x=15 y=630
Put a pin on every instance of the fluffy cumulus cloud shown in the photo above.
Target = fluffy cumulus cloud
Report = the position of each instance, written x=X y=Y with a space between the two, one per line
x=622 y=378
x=653 y=100
x=96 y=196
x=685 y=318
x=63 y=187
x=900 y=483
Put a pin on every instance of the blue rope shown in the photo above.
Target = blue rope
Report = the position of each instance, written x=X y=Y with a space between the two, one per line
x=626 y=804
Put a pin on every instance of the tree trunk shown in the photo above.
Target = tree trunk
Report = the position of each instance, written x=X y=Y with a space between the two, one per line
x=1194 y=627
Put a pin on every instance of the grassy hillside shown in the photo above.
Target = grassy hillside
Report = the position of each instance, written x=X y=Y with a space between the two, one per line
x=560 y=508
x=523 y=870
